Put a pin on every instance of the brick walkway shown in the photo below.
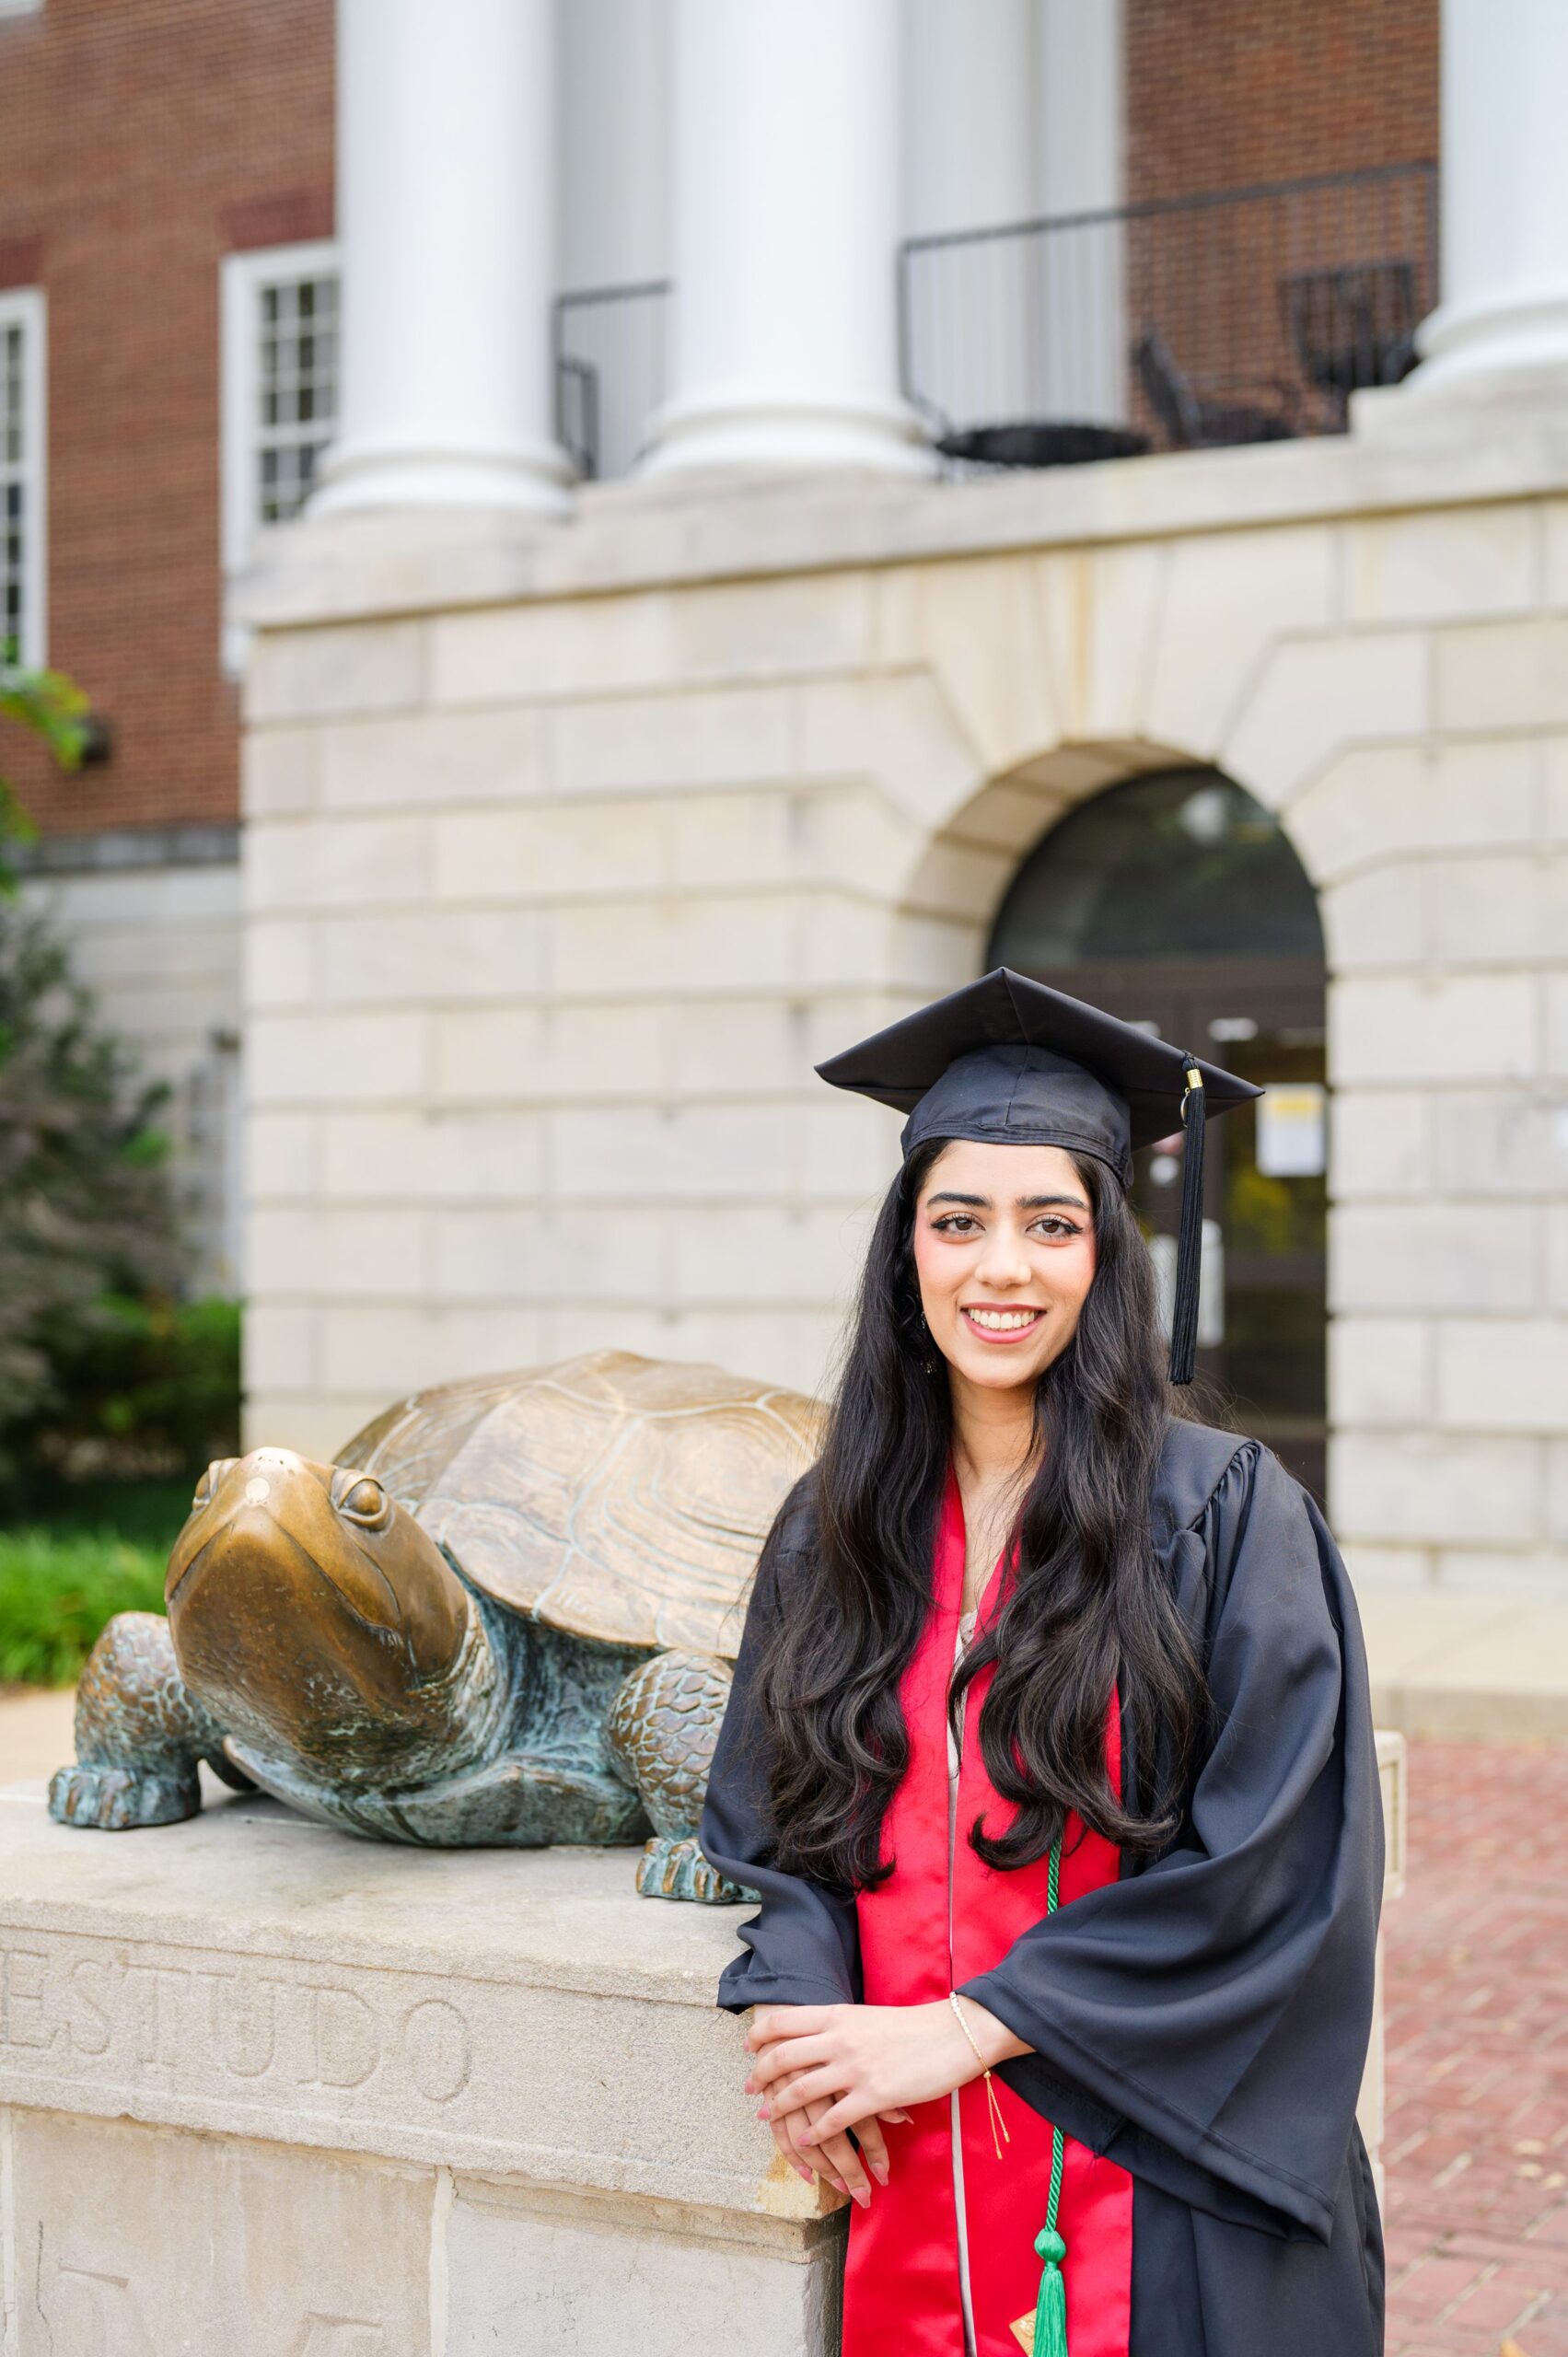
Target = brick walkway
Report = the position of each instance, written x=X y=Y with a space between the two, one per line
x=1477 y=2141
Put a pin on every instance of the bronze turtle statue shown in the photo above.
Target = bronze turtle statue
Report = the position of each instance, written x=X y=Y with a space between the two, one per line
x=505 y=1615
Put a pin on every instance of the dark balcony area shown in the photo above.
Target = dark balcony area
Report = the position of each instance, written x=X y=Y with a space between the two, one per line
x=1194 y=322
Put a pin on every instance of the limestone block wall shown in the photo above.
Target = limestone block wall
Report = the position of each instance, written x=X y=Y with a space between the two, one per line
x=556 y=892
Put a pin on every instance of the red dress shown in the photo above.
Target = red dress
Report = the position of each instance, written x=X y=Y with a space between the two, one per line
x=926 y=1929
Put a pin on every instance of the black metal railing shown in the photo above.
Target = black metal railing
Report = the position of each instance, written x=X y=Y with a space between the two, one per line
x=1241 y=315
x=612 y=369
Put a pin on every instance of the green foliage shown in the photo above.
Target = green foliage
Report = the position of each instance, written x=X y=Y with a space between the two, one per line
x=54 y=709
x=57 y=1588
x=155 y=1382
x=87 y=1216
x=103 y=1367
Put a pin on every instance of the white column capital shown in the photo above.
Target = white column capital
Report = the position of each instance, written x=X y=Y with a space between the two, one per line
x=447 y=222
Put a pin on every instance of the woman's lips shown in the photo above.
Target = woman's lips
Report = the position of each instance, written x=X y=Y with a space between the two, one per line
x=1009 y=1332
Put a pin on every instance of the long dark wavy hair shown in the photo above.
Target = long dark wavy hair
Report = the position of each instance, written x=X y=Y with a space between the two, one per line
x=1088 y=1612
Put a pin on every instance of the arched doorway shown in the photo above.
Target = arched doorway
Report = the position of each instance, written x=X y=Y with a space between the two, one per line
x=1176 y=900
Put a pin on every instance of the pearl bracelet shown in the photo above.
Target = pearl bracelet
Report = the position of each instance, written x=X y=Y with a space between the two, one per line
x=996 y=2119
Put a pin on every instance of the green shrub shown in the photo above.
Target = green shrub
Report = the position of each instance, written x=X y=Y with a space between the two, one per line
x=58 y=1588
x=104 y=1368
x=88 y=1216
x=143 y=1387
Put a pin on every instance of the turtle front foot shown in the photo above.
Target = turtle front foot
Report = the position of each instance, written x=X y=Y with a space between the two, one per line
x=114 y=1800
x=672 y=1866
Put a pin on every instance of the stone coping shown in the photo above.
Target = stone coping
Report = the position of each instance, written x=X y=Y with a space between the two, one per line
x=1473 y=1669
x=671 y=530
x=111 y=850
x=250 y=1974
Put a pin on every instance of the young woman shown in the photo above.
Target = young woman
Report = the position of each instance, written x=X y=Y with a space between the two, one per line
x=1049 y=1755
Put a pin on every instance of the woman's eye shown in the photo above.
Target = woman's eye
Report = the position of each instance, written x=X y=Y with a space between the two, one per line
x=955 y=1223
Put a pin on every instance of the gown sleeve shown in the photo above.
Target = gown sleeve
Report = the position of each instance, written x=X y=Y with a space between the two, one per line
x=804 y=1947
x=1204 y=2021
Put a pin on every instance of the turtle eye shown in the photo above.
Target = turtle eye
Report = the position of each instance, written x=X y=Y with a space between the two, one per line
x=365 y=1501
x=206 y=1488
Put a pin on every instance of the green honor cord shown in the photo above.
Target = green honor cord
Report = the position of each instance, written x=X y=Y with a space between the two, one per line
x=1051 y=2305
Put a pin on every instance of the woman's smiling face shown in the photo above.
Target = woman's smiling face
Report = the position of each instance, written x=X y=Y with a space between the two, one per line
x=1005 y=1254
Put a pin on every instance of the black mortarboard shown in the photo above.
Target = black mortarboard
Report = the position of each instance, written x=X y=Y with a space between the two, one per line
x=1009 y=1061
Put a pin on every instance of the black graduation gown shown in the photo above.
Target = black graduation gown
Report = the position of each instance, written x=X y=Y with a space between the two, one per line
x=1203 y=2020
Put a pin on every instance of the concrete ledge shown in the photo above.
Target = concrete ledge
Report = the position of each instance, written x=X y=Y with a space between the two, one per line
x=642 y=533
x=266 y=2088
x=269 y=2089
x=251 y=1974
x=1469 y=1668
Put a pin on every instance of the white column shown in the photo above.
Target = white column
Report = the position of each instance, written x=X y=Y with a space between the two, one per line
x=446 y=220
x=615 y=142
x=973 y=324
x=1505 y=174
x=1084 y=270
x=970 y=114
x=786 y=214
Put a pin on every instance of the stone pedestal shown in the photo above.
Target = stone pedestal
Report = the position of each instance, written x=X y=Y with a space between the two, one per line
x=268 y=2091
x=272 y=2092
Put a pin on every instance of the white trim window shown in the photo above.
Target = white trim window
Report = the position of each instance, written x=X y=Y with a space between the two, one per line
x=280 y=385
x=23 y=491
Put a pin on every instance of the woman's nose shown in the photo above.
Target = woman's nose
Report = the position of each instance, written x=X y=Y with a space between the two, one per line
x=1003 y=1261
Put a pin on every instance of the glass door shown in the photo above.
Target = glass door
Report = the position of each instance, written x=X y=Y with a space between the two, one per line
x=1202 y=926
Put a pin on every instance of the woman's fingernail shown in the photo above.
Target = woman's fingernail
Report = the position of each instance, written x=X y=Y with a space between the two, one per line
x=879 y=2171
x=749 y=2088
x=863 y=2195
x=805 y=2174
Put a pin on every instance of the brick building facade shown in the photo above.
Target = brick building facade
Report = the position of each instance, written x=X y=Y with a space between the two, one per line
x=140 y=143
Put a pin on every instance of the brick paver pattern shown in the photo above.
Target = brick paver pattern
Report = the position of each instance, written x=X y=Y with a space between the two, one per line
x=1476 y=2145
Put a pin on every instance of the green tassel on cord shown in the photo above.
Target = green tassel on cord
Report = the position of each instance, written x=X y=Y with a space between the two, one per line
x=1051 y=2307
x=1050 y=2302
x=1050 y=2319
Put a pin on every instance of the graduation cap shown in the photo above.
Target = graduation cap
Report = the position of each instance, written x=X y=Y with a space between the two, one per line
x=1009 y=1061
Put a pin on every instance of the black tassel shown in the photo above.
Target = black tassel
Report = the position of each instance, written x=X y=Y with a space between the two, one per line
x=1190 y=1241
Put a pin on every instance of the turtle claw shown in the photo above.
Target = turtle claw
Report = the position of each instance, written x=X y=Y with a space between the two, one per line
x=114 y=1800
x=672 y=1866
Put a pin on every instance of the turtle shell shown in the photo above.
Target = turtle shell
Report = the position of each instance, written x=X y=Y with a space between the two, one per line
x=617 y=1497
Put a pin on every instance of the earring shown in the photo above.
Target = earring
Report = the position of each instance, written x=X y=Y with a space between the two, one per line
x=919 y=1326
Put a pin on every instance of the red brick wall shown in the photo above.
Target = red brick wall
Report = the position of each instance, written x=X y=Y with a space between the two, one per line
x=140 y=141
x=1226 y=93
x=1233 y=94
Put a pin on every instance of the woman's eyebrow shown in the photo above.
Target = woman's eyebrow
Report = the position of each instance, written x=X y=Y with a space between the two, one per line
x=1023 y=1204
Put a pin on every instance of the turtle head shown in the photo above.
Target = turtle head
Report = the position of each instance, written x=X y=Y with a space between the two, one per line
x=313 y=1615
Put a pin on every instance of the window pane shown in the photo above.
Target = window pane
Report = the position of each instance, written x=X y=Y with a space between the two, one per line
x=298 y=390
x=1185 y=864
x=16 y=442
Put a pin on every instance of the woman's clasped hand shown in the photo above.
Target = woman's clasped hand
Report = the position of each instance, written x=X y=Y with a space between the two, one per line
x=822 y=2069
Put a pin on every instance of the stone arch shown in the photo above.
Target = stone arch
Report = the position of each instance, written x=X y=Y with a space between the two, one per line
x=1269 y=1343
x=965 y=862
